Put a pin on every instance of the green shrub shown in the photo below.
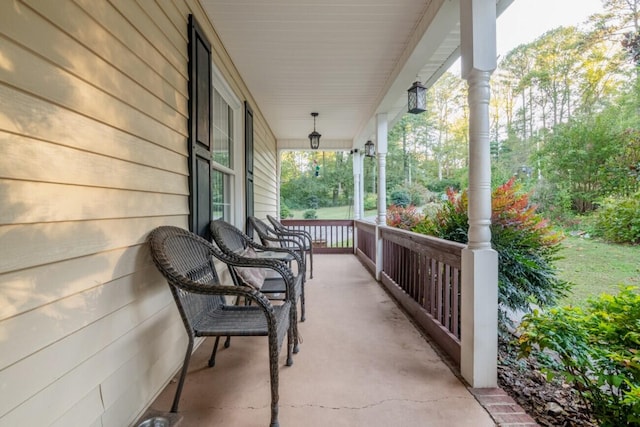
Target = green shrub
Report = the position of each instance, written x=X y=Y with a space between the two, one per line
x=596 y=349
x=313 y=202
x=430 y=209
x=370 y=202
x=619 y=219
x=443 y=185
x=310 y=214
x=415 y=198
x=525 y=242
x=285 y=212
x=400 y=198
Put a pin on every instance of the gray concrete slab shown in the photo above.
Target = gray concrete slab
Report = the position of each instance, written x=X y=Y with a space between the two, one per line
x=361 y=363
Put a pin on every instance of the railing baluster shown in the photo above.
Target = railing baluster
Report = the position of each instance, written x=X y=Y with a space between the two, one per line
x=447 y=296
x=432 y=288
x=455 y=309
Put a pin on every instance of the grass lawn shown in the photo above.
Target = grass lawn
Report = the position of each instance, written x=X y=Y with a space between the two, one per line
x=596 y=267
x=336 y=212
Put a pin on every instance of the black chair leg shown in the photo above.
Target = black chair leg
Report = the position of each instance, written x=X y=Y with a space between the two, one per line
x=227 y=342
x=183 y=375
x=302 y=305
x=293 y=322
x=273 y=372
x=290 y=343
x=212 y=359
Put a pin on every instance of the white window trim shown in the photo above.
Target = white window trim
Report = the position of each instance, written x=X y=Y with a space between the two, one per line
x=236 y=171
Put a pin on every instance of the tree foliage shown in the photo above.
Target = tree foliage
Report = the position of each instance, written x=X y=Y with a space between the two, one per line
x=619 y=219
x=302 y=188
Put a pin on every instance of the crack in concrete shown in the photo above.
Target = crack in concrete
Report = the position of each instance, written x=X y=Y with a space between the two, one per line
x=335 y=408
x=371 y=405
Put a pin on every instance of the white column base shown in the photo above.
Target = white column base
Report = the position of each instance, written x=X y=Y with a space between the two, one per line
x=479 y=322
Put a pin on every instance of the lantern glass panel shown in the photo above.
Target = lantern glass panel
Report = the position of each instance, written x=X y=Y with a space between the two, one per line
x=314 y=139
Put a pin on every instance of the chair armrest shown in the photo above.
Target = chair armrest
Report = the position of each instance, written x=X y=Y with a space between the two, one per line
x=283 y=228
x=278 y=239
x=185 y=284
x=296 y=254
x=297 y=234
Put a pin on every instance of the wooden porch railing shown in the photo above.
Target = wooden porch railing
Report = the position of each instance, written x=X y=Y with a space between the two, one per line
x=424 y=274
x=329 y=235
x=366 y=248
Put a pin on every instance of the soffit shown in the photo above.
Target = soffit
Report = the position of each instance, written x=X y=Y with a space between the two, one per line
x=345 y=59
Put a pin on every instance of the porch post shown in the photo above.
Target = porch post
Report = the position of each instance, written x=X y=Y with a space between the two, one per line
x=362 y=192
x=381 y=152
x=381 y=139
x=479 y=323
x=357 y=177
x=278 y=178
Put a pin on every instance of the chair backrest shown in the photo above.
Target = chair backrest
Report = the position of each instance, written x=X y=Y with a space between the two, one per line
x=264 y=232
x=185 y=260
x=232 y=242
x=277 y=225
x=229 y=239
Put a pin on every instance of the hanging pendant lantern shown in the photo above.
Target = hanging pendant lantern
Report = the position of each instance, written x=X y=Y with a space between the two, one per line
x=417 y=98
x=314 y=137
x=369 y=149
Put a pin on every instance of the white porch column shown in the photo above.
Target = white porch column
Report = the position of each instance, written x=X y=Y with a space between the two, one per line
x=362 y=193
x=357 y=178
x=479 y=323
x=278 y=182
x=381 y=152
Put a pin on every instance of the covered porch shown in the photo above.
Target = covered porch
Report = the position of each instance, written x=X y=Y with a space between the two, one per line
x=106 y=108
x=362 y=363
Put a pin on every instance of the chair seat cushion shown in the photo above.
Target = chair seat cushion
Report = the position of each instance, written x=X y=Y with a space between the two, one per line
x=252 y=276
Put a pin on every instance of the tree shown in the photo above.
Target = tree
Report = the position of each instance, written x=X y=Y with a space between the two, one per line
x=301 y=188
x=448 y=105
x=579 y=160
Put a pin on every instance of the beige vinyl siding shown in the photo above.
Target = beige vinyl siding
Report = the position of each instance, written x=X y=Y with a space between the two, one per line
x=93 y=155
x=264 y=171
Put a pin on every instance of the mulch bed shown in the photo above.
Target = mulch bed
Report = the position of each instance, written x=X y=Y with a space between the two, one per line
x=550 y=403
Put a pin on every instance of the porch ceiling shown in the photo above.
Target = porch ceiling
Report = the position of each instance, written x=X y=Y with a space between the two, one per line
x=345 y=59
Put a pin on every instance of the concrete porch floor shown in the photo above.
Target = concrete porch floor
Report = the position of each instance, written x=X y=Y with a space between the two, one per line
x=361 y=363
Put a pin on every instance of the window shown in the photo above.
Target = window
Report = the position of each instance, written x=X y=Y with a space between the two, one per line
x=226 y=113
x=222 y=153
x=222 y=131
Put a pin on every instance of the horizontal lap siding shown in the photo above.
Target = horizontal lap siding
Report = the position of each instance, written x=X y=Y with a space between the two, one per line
x=264 y=171
x=93 y=155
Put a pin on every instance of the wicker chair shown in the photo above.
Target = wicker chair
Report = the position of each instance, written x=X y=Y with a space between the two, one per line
x=186 y=261
x=302 y=235
x=293 y=239
x=233 y=242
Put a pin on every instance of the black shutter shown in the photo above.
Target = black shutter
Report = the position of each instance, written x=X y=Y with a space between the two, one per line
x=199 y=130
x=248 y=162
